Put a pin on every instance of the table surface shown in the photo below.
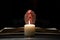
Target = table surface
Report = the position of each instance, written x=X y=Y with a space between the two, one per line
x=20 y=29
x=18 y=33
x=29 y=38
x=36 y=37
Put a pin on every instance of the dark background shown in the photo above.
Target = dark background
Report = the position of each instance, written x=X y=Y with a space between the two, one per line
x=47 y=12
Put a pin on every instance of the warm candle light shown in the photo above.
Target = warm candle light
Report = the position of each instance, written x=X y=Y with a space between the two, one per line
x=29 y=21
x=29 y=27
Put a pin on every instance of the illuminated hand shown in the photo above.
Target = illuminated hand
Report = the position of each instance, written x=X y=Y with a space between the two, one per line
x=30 y=16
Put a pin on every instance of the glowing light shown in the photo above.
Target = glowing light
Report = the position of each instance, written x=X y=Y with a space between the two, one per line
x=29 y=21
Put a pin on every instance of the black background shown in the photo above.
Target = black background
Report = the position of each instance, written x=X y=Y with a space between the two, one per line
x=47 y=12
